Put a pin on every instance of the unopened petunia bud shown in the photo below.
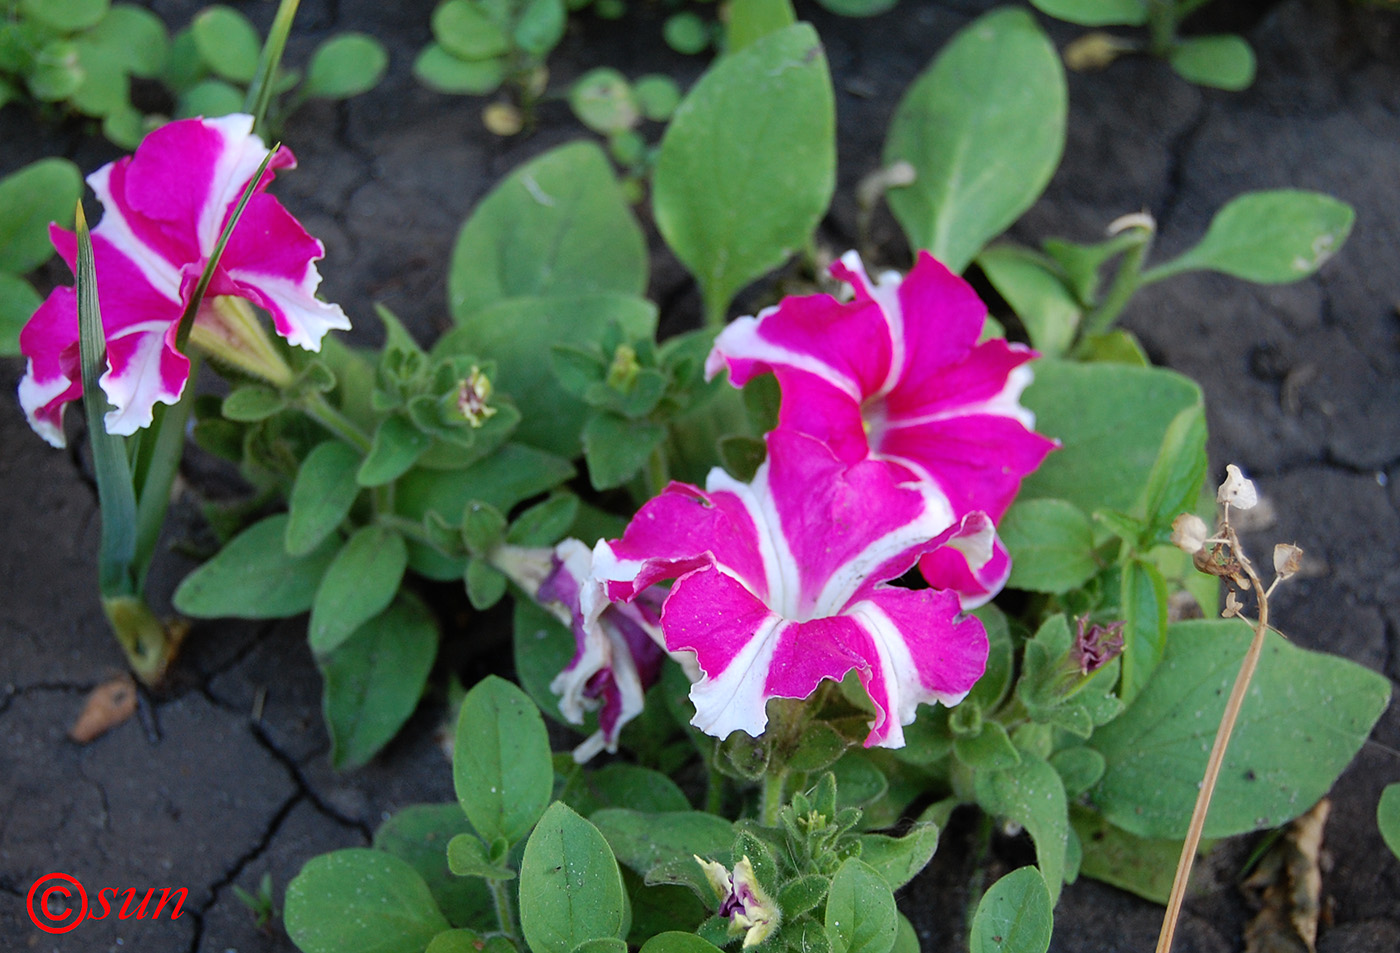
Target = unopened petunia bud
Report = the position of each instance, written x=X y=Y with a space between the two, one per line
x=1236 y=491
x=1189 y=533
x=748 y=907
x=472 y=395
x=1097 y=645
x=1288 y=557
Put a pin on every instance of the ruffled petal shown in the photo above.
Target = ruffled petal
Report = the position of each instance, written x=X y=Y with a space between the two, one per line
x=974 y=576
x=53 y=376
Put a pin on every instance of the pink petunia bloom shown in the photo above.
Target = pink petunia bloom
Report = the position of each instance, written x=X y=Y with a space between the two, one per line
x=617 y=647
x=164 y=209
x=780 y=583
x=897 y=375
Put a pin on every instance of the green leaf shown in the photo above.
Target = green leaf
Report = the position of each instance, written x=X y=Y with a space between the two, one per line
x=41 y=192
x=570 y=887
x=616 y=448
x=686 y=33
x=1144 y=601
x=346 y=65
x=989 y=750
x=540 y=26
x=752 y=20
x=438 y=69
x=66 y=16
x=543 y=648
x=1271 y=237
x=1305 y=716
x=657 y=96
x=373 y=680
x=544 y=524
x=1033 y=796
x=558 y=225
x=623 y=785
x=1388 y=817
x=1014 y=916
x=467 y=857
x=465 y=30
x=361 y=901
x=978 y=168
x=1174 y=485
x=1051 y=544
x=603 y=944
x=254 y=577
x=1095 y=12
x=1111 y=420
x=860 y=911
x=211 y=98
x=419 y=834
x=1139 y=865
x=106 y=87
x=397 y=446
x=859 y=8
x=486 y=585
x=1037 y=294
x=603 y=101
x=747 y=165
x=136 y=36
x=253 y=402
x=501 y=767
x=227 y=42
x=1079 y=768
x=645 y=840
x=907 y=941
x=18 y=302
x=321 y=497
x=1224 y=62
x=57 y=71
x=519 y=333
x=677 y=942
x=357 y=586
x=899 y=859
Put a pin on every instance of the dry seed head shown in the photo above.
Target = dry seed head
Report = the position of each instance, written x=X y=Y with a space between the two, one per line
x=1288 y=557
x=1189 y=533
x=1237 y=491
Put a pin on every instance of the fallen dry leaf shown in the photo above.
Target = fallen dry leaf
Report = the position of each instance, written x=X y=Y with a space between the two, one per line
x=108 y=705
x=1287 y=885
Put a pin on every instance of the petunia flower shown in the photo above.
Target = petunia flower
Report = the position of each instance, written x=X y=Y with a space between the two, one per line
x=617 y=646
x=897 y=375
x=164 y=209
x=742 y=900
x=781 y=583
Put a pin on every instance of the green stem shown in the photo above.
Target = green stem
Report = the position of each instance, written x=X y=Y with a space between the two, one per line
x=1125 y=284
x=714 y=791
x=157 y=463
x=265 y=80
x=658 y=473
x=772 y=799
x=505 y=908
x=316 y=407
x=1162 y=19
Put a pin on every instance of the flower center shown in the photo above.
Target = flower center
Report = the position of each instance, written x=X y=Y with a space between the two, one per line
x=874 y=416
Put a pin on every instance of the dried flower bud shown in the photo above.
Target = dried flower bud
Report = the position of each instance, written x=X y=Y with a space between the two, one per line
x=1232 y=605
x=1189 y=533
x=1097 y=645
x=1288 y=557
x=1236 y=491
x=1217 y=560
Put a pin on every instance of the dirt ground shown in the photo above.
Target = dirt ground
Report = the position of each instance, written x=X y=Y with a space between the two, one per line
x=223 y=776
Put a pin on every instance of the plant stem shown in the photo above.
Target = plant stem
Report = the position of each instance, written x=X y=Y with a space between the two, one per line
x=772 y=801
x=1125 y=284
x=316 y=407
x=505 y=908
x=1162 y=19
x=1217 y=752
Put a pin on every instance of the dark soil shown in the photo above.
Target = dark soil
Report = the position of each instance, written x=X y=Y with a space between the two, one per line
x=223 y=776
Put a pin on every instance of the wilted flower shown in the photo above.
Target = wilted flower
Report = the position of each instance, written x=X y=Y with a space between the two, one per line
x=743 y=901
x=1236 y=491
x=1097 y=645
x=164 y=209
x=1189 y=533
x=780 y=583
x=1288 y=559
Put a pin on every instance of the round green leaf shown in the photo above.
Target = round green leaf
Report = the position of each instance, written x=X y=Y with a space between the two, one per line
x=570 y=886
x=1051 y=544
x=501 y=765
x=211 y=98
x=1271 y=237
x=253 y=577
x=463 y=28
x=644 y=840
x=357 y=586
x=41 y=192
x=1388 y=817
x=1014 y=916
x=374 y=679
x=603 y=101
x=859 y=8
x=322 y=494
x=860 y=911
x=748 y=162
x=346 y=65
x=1095 y=12
x=361 y=901
x=106 y=86
x=125 y=127
x=227 y=42
x=440 y=70
x=1305 y=716
x=1224 y=62
x=419 y=834
x=686 y=33
x=540 y=26
x=978 y=168
x=57 y=71
x=67 y=16
x=18 y=302
x=137 y=37
x=657 y=95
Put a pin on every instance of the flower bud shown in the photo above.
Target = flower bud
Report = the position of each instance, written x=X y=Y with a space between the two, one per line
x=472 y=395
x=743 y=901
x=1097 y=645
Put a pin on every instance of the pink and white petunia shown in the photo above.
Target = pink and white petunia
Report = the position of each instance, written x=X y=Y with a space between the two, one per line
x=617 y=647
x=897 y=374
x=781 y=583
x=164 y=209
